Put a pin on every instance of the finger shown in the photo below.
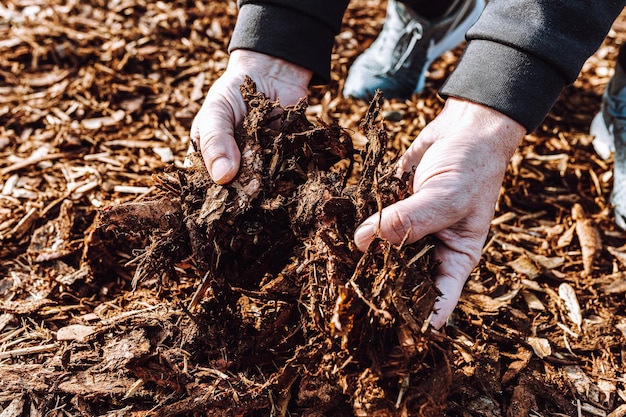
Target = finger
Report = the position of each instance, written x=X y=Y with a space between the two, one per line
x=459 y=250
x=451 y=289
x=214 y=130
x=413 y=155
x=425 y=212
x=453 y=271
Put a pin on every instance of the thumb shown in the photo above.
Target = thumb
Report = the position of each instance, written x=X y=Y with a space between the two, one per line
x=458 y=250
x=410 y=219
x=213 y=130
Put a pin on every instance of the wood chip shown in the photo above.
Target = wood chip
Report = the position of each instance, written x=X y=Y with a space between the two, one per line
x=588 y=236
x=618 y=412
x=568 y=296
x=15 y=409
x=76 y=332
x=541 y=346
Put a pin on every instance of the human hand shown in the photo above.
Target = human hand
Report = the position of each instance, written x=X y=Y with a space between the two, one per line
x=212 y=130
x=460 y=159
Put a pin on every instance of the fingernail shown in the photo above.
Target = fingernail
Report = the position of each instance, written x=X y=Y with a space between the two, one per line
x=364 y=234
x=221 y=169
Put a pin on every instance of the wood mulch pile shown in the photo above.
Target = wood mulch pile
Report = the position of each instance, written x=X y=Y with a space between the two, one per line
x=130 y=285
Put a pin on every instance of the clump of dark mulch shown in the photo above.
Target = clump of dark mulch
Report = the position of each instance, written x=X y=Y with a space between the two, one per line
x=288 y=316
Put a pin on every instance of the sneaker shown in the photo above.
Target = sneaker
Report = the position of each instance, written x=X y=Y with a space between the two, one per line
x=397 y=61
x=609 y=131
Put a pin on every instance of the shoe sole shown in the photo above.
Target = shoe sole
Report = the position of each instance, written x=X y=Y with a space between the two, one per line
x=604 y=145
x=618 y=195
x=603 y=142
x=451 y=41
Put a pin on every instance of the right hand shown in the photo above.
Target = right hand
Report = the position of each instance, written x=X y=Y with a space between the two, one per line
x=460 y=160
x=223 y=109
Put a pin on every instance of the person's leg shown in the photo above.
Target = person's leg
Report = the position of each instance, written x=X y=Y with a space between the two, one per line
x=609 y=131
x=429 y=9
x=415 y=33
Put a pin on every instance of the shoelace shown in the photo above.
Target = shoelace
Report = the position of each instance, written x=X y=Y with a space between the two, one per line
x=415 y=31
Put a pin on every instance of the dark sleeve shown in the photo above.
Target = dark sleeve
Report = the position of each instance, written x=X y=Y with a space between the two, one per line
x=299 y=31
x=522 y=53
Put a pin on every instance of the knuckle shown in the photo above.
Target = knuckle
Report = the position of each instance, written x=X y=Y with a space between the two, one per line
x=398 y=224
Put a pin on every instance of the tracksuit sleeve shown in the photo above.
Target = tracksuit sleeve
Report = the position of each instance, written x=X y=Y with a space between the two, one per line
x=522 y=53
x=299 y=31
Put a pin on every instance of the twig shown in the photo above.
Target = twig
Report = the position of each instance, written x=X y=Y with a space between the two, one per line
x=33 y=161
x=28 y=351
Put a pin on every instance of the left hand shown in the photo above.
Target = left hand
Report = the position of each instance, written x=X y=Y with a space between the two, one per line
x=213 y=128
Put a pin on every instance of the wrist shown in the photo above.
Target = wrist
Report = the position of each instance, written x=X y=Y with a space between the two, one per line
x=264 y=65
x=488 y=123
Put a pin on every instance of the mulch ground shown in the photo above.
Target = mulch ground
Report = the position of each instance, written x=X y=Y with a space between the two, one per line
x=104 y=311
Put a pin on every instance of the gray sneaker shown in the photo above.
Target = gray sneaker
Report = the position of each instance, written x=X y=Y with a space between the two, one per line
x=609 y=130
x=397 y=61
